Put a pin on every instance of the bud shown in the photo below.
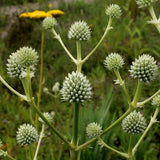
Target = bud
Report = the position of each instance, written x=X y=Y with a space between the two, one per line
x=55 y=88
x=48 y=116
x=49 y=23
x=145 y=3
x=45 y=90
x=156 y=101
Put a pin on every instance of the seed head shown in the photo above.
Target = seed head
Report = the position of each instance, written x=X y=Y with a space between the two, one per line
x=144 y=68
x=79 y=31
x=156 y=101
x=76 y=88
x=113 y=62
x=93 y=129
x=134 y=123
x=26 y=134
x=114 y=11
x=145 y=3
x=49 y=23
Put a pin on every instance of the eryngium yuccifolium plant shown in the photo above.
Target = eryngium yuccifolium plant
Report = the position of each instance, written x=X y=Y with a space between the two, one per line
x=114 y=11
x=48 y=116
x=79 y=31
x=113 y=62
x=20 y=60
x=93 y=129
x=156 y=101
x=145 y=3
x=49 y=23
x=26 y=134
x=76 y=88
x=134 y=123
x=144 y=68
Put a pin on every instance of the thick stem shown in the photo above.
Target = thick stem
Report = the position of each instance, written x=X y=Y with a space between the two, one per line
x=79 y=56
x=101 y=40
x=39 y=141
x=130 y=148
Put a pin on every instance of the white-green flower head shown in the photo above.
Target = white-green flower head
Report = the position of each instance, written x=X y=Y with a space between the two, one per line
x=49 y=23
x=134 y=123
x=20 y=60
x=76 y=88
x=26 y=134
x=114 y=61
x=156 y=101
x=93 y=130
x=79 y=31
x=144 y=68
x=114 y=11
x=55 y=88
x=145 y=3
x=48 y=116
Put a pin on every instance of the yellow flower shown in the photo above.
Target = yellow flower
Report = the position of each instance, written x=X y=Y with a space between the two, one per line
x=55 y=12
x=24 y=15
x=50 y=5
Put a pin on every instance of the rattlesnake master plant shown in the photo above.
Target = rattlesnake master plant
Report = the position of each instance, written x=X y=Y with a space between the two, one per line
x=76 y=88
x=93 y=129
x=49 y=23
x=144 y=68
x=114 y=11
x=113 y=62
x=79 y=31
x=48 y=116
x=20 y=60
x=26 y=134
x=145 y=3
x=134 y=123
x=156 y=101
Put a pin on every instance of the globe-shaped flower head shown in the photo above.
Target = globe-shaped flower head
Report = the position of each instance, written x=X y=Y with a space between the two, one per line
x=114 y=11
x=145 y=3
x=134 y=123
x=49 y=23
x=79 y=31
x=48 y=116
x=76 y=88
x=113 y=62
x=156 y=101
x=20 y=60
x=26 y=134
x=93 y=129
x=144 y=68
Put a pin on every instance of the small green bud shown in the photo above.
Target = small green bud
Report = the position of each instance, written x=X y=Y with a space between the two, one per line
x=114 y=11
x=48 y=116
x=145 y=3
x=134 y=123
x=93 y=129
x=49 y=23
x=113 y=62
x=79 y=31
x=156 y=101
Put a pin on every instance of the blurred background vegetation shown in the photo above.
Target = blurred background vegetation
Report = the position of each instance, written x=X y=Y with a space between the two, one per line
x=130 y=37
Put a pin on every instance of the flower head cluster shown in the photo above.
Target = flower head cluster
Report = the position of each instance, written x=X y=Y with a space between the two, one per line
x=114 y=62
x=134 y=123
x=20 y=60
x=114 y=11
x=49 y=23
x=145 y=3
x=93 y=129
x=76 y=88
x=48 y=116
x=26 y=134
x=144 y=68
x=79 y=31
x=156 y=101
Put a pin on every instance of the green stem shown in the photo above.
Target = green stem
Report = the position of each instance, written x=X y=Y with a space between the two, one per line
x=41 y=77
x=153 y=15
x=79 y=56
x=112 y=149
x=122 y=83
x=5 y=154
x=130 y=148
x=152 y=121
x=39 y=141
x=101 y=40
x=11 y=89
x=64 y=47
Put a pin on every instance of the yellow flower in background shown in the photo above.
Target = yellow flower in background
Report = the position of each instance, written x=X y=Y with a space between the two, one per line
x=41 y=14
x=50 y=5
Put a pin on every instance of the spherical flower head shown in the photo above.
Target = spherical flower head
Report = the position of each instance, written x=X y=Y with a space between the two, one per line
x=93 y=130
x=113 y=62
x=134 y=123
x=145 y=3
x=26 y=134
x=55 y=88
x=79 y=31
x=156 y=101
x=76 y=88
x=114 y=11
x=144 y=68
x=20 y=60
x=49 y=23
x=48 y=116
